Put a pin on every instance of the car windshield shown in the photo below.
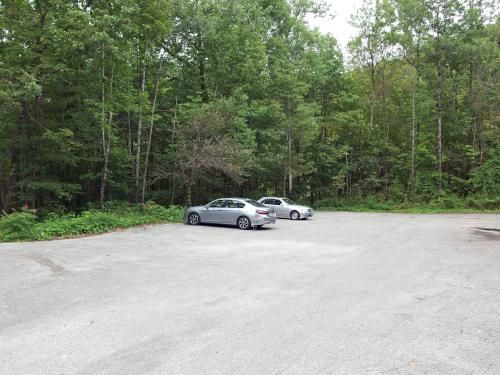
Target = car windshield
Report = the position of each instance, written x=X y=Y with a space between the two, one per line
x=254 y=203
x=287 y=201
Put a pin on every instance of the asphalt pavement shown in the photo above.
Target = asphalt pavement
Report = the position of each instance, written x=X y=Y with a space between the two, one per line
x=343 y=293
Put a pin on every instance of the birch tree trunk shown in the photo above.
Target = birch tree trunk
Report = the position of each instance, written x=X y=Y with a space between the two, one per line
x=105 y=131
x=201 y=67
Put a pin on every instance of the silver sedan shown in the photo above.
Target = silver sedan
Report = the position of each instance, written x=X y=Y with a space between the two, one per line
x=286 y=208
x=244 y=213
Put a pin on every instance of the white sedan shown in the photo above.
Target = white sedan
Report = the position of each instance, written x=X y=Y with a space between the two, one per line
x=286 y=208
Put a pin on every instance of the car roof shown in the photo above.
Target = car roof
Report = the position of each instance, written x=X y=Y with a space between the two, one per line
x=237 y=199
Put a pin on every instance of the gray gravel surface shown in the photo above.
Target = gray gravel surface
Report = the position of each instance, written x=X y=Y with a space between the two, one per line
x=344 y=293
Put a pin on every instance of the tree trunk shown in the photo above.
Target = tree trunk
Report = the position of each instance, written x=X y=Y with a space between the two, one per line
x=347 y=173
x=3 y=189
x=289 y=154
x=106 y=139
x=372 y=99
x=139 y=128
x=103 y=131
x=129 y=135
x=150 y=136
x=15 y=161
x=188 y=193
x=472 y=113
x=439 y=55
x=413 y=135
x=172 y=195
x=440 y=124
x=104 y=177
x=201 y=67
x=482 y=139
x=284 y=183
x=386 y=126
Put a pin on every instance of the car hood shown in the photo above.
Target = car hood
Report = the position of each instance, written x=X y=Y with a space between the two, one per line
x=197 y=208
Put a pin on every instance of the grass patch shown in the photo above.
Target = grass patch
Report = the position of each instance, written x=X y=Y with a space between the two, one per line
x=25 y=226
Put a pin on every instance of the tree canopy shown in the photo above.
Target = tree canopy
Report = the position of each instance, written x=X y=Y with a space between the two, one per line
x=182 y=101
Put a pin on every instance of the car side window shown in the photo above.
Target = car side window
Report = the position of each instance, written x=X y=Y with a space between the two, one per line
x=278 y=202
x=268 y=201
x=240 y=205
x=231 y=204
x=217 y=203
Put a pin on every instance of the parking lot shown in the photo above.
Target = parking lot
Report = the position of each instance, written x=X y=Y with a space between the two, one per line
x=344 y=293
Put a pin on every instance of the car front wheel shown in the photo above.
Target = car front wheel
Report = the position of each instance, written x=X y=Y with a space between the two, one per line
x=244 y=223
x=194 y=219
x=294 y=215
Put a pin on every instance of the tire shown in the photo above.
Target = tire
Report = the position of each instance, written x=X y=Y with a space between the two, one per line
x=294 y=215
x=194 y=218
x=244 y=223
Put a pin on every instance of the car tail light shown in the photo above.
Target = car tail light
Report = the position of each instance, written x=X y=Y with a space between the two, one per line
x=262 y=212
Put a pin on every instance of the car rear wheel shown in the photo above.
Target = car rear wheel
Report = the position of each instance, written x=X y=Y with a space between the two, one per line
x=194 y=219
x=294 y=215
x=244 y=223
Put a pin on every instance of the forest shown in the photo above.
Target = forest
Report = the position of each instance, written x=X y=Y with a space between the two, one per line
x=182 y=101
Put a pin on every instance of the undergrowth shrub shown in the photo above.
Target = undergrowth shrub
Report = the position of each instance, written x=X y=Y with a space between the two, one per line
x=441 y=203
x=484 y=203
x=17 y=225
x=448 y=202
x=23 y=226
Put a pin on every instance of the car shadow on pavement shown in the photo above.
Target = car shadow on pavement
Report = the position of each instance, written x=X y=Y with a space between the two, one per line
x=265 y=227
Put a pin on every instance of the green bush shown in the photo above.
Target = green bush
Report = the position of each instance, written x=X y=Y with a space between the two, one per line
x=484 y=203
x=485 y=178
x=377 y=204
x=22 y=226
x=160 y=213
x=17 y=225
x=417 y=204
x=329 y=202
x=448 y=202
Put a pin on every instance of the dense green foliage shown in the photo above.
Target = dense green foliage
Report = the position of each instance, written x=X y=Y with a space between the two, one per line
x=23 y=226
x=444 y=204
x=186 y=100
